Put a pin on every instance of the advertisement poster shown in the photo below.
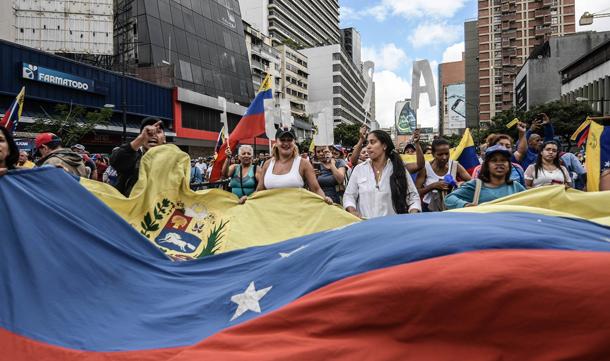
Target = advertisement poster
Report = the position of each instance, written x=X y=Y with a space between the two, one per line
x=406 y=121
x=456 y=106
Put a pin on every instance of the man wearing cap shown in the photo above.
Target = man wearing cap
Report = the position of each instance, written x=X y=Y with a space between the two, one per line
x=126 y=159
x=90 y=164
x=49 y=146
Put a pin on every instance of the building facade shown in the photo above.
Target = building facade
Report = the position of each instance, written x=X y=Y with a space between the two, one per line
x=50 y=80
x=306 y=23
x=471 y=72
x=264 y=59
x=538 y=80
x=81 y=30
x=452 y=97
x=333 y=75
x=352 y=43
x=508 y=30
x=588 y=79
x=202 y=42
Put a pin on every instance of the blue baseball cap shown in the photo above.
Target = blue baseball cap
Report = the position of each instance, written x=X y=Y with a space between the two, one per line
x=497 y=149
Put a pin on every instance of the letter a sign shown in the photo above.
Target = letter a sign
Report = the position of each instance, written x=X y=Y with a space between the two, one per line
x=422 y=67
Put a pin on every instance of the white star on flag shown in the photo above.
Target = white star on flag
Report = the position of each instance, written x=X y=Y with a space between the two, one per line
x=248 y=301
x=607 y=164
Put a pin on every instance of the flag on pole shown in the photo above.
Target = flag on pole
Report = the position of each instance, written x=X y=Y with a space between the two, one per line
x=598 y=154
x=13 y=113
x=219 y=143
x=251 y=125
x=581 y=134
x=466 y=152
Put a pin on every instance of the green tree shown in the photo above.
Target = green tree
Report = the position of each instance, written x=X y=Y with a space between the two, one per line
x=347 y=134
x=71 y=123
x=292 y=44
x=566 y=117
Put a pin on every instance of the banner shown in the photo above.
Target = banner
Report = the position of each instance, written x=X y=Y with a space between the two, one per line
x=456 y=106
x=322 y=113
x=405 y=118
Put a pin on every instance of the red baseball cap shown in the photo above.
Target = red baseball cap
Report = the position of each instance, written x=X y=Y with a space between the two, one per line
x=46 y=138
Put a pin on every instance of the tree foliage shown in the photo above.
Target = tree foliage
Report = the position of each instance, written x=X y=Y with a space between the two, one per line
x=566 y=117
x=71 y=123
x=347 y=134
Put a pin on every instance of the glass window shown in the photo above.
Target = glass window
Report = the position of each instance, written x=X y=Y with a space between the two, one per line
x=205 y=7
x=193 y=47
x=189 y=24
x=233 y=66
x=185 y=70
x=197 y=74
x=199 y=25
x=151 y=8
x=165 y=13
x=177 y=18
x=168 y=33
x=203 y=52
x=197 y=6
x=208 y=78
x=187 y=4
x=218 y=82
x=181 y=45
x=156 y=34
x=209 y=31
x=144 y=54
x=158 y=55
x=227 y=40
x=142 y=30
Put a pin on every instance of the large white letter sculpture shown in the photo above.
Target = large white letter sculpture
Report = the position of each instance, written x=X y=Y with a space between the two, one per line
x=422 y=67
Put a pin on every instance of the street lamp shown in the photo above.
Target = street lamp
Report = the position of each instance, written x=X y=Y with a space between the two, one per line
x=587 y=18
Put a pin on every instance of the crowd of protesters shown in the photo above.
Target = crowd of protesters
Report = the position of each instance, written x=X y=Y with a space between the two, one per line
x=370 y=180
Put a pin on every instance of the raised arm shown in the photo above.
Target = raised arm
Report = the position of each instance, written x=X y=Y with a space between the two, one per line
x=358 y=147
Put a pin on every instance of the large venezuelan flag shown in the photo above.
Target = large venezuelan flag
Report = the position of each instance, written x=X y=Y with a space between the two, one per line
x=251 y=125
x=79 y=283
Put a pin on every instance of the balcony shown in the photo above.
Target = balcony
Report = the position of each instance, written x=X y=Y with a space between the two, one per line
x=511 y=34
x=508 y=51
x=548 y=2
x=540 y=13
x=509 y=16
x=542 y=30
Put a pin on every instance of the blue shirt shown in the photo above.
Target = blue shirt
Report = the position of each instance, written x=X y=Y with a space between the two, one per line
x=465 y=194
x=532 y=154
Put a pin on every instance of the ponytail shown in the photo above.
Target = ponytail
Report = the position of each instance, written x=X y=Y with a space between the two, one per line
x=398 y=183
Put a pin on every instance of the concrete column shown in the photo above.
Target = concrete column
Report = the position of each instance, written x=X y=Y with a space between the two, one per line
x=607 y=94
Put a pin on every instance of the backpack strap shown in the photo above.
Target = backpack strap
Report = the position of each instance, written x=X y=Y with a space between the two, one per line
x=477 y=192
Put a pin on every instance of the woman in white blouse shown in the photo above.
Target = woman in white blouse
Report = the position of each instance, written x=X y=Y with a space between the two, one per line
x=547 y=170
x=380 y=186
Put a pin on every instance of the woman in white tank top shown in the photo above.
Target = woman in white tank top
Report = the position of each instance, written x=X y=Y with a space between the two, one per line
x=431 y=177
x=286 y=169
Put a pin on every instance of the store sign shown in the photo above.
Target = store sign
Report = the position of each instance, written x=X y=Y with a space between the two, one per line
x=50 y=76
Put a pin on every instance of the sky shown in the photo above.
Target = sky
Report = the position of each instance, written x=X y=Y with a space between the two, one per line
x=397 y=32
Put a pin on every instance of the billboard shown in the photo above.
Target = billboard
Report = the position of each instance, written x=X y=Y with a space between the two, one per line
x=405 y=118
x=456 y=106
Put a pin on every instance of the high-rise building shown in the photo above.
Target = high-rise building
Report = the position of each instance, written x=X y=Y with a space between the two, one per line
x=350 y=39
x=294 y=87
x=452 y=97
x=307 y=23
x=334 y=76
x=264 y=59
x=471 y=73
x=202 y=41
x=81 y=30
x=508 y=31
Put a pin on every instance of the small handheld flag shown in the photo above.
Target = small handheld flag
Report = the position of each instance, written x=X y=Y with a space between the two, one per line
x=512 y=123
x=13 y=113
x=581 y=134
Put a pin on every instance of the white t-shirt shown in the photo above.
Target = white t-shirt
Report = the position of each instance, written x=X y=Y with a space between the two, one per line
x=546 y=177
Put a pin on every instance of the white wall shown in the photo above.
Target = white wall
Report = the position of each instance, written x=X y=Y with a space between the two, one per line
x=255 y=13
x=7 y=21
x=320 y=68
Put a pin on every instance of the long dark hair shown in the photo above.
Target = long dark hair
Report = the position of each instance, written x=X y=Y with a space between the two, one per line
x=398 y=181
x=556 y=161
x=13 y=151
x=485 y=174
